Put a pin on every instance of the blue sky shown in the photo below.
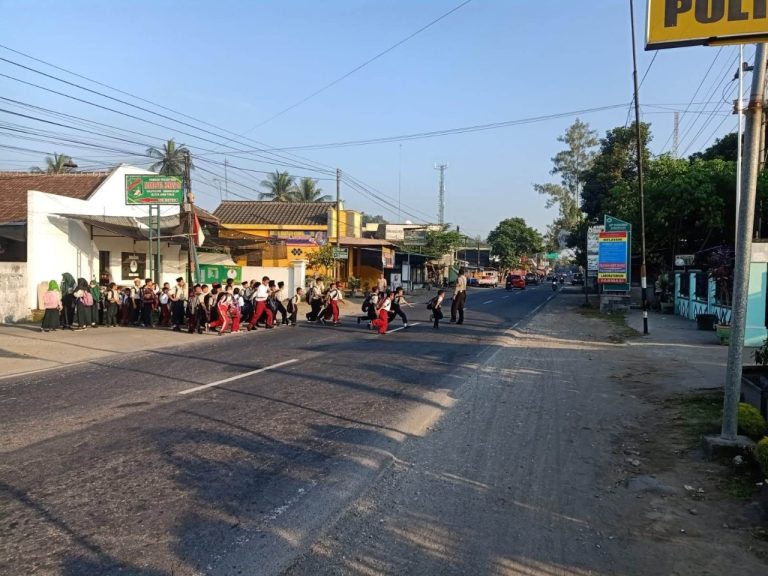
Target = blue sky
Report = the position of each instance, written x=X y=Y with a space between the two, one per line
x=235 y=64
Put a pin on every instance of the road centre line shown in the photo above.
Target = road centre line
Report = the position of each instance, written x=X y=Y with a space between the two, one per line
x=238 y=377
x=403 y=327
x=488 y=302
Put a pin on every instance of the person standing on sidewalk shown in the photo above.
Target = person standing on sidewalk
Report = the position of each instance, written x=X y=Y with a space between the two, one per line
x=148 y=303
x=178 y=297
x=381 y=285
x=459 y=298
x=110 y=305
x=383 y=307
x=68 y=301
x=52 y=306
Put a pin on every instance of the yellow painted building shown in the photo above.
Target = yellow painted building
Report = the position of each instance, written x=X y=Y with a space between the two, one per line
x=278 y=233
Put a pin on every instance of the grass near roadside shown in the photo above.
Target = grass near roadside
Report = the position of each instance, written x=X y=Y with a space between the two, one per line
x=621 y=333
x=700 y=414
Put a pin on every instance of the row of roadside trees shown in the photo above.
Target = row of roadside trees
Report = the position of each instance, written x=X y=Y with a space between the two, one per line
x=689 y=202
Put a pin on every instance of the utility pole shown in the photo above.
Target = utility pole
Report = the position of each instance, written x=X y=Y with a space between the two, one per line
x=226 y=179
x=751 y=160
x=190 y=209
x=399 y=181
x=441 y=196
x=676 y=135
x=638 y=137
x=338 y=218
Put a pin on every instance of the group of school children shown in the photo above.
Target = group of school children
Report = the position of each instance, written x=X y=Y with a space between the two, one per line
x=79 y=305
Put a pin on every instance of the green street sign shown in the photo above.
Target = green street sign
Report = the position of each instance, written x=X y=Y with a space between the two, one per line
x=218 y=273
x=146 y=189
x=341 y=253
x=553 y=256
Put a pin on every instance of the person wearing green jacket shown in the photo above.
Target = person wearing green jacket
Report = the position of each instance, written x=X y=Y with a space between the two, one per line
x=97 y=314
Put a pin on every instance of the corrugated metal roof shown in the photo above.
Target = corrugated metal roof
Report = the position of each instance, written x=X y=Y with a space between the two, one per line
x=276 y=213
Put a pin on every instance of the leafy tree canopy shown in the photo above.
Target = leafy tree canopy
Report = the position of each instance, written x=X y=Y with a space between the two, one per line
x=169 y=160
x=512 y=240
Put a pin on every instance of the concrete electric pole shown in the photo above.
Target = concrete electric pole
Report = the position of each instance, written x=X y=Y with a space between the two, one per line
x=441 y=196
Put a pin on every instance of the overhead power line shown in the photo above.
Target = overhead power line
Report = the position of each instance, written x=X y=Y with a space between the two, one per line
x=358 y=68
x=446 y=132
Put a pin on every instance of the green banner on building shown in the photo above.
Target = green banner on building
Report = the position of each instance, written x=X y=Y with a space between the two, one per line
x=146 y=189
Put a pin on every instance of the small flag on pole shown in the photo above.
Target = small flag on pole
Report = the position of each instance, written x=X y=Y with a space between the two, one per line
x=199 y=237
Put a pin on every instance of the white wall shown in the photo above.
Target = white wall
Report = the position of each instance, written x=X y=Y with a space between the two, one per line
x=13 y=292
x=56 y=245
x=276 y=274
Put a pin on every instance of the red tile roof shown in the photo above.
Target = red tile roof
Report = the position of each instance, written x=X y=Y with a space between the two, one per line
x=14 y=187
x=275 y=213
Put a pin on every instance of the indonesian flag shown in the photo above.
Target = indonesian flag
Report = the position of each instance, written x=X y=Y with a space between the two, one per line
x=197 y=232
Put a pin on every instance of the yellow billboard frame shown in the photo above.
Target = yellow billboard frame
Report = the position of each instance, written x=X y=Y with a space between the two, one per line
x=673 y=23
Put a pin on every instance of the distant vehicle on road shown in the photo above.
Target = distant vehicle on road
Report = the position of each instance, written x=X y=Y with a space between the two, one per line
x=577 y=279
x=472 y=281
x=490 y=278
x=531 y=278
x=515 y=281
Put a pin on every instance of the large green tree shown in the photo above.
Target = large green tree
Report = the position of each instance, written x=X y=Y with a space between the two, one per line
x=307 y=191
x=571 y=164
x=279 y=187
x=442 y=242
x=512 y=240
x=169 y=159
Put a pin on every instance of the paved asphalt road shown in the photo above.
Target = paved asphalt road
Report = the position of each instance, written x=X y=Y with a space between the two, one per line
x=123 y=466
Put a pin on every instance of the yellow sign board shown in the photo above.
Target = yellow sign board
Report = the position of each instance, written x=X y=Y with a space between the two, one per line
x=694 y=22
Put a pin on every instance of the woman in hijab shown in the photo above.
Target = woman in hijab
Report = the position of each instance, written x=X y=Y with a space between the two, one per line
x=68 y=287
x=84 y=303
x=52 y=305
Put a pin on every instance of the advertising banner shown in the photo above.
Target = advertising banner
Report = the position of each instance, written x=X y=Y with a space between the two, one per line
x=340 y=253
x=143 y=189
x=593 y=235
x=612 y=258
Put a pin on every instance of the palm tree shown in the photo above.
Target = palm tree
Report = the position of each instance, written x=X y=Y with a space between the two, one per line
x=307 y=191
x=56 y=164
x=279 y=187
x=170 y=159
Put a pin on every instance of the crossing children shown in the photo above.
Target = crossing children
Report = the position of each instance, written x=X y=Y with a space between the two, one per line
x=369 y=306
x=398 y=301
x=334 y=299
x=383 y=307
x=111 y=299
x=293 y=305
x=436 y=306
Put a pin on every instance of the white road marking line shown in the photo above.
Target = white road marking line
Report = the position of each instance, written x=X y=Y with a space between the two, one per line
x=488 y=302
x=238 y=377
x=505 y=297
x=403 y=327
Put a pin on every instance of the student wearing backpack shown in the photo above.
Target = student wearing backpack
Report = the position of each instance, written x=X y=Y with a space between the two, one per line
x=68 y=300
x=110 y=305
x=383 y=307
x=52 y=306
x=293 y=306
x=178 y=297
x=369 y=306
x=398 y=302
x=315 y=299
x=436 y=306
x=334 y=299
x=97 y=314
x=84 y=303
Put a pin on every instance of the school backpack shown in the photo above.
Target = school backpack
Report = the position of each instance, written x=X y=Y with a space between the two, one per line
x=366 y=303
x=431 y=303
x=87 y=298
